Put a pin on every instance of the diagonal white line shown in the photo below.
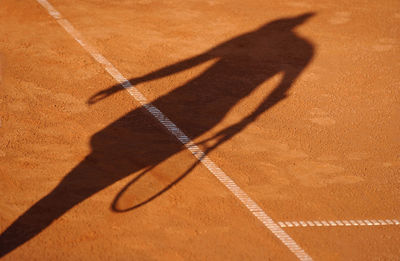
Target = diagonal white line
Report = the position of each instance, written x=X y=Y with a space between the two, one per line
x=182 y=137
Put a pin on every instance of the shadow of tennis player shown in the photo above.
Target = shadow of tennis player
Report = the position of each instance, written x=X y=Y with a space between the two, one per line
x=133 y=142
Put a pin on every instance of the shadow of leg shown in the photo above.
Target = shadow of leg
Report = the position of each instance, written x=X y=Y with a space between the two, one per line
x=81 y=183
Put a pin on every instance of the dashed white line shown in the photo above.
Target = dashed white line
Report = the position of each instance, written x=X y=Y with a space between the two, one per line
x=340 y=223
x=183 y=138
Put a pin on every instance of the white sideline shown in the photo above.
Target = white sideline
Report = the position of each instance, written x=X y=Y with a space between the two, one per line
x=339 y=223
x=174 y=130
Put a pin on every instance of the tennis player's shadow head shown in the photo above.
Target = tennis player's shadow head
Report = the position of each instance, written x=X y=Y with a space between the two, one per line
x=286 y=24
x=137 y=143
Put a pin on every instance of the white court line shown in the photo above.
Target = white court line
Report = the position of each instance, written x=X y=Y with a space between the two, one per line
x=340 y=223
x=174 y=130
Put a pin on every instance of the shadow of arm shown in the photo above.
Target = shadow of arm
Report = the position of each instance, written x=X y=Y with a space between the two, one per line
x=172 y=69
x=163 y=72
x=277 y=95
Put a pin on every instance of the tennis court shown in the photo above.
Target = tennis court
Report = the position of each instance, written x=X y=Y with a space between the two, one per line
x=199 y=130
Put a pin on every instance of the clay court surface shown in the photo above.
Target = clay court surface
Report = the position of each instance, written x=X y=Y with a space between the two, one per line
x=298 y=102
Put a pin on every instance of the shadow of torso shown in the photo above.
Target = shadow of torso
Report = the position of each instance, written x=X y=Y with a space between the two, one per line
x=242 y=64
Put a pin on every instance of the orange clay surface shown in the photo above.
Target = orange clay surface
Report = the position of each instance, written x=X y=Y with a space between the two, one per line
x=297 y=101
